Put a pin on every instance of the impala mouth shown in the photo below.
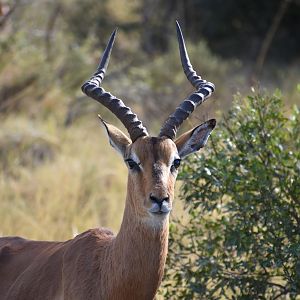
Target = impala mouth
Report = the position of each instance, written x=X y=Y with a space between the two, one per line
x=160 y=212
x=160 y=209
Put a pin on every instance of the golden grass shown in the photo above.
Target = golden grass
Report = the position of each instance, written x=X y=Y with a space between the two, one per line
x=82 y=187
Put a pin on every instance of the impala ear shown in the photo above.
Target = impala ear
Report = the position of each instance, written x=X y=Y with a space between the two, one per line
x=117 y=138
x=195 y=139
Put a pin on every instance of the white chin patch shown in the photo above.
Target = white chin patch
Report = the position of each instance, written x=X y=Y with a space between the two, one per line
x=158 y=216
x=157 y=209
x=157 y=221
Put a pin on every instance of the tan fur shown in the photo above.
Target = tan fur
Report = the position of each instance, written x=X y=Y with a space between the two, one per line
x=96 y=264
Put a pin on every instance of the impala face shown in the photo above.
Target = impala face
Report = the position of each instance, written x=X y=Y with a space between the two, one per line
x=153 y=164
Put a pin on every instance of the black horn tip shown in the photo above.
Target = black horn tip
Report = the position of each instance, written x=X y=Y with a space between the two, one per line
x=185 y=61
x=178 y=29
x=113 y=36
x=114 y=33
x=106 y=55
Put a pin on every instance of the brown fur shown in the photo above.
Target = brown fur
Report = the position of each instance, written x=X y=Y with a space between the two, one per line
x=96 y=264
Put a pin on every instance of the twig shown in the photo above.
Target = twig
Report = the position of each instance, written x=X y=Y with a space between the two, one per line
x=4 y=18
x=50 y=28
x=270 y=36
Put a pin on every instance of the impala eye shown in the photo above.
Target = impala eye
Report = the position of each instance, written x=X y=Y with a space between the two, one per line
x=132 y=164
x=176 y=164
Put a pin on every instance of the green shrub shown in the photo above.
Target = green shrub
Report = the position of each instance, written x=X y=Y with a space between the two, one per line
x=242 y=238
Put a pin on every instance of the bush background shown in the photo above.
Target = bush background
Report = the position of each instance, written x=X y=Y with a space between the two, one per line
x=58 y=174
x=241 y=239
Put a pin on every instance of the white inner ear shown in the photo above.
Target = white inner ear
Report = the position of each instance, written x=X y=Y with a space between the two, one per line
x=118 y=148
x=197 y=140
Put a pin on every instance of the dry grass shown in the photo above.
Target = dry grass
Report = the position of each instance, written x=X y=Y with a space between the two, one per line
x=79 y=185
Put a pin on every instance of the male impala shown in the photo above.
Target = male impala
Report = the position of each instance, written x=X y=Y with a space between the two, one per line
x=96 y=264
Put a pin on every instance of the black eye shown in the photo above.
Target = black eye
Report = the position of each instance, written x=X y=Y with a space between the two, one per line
x=176 y=163
x=132 y=164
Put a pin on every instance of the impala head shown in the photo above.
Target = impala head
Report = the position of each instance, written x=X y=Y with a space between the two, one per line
x=153 y=162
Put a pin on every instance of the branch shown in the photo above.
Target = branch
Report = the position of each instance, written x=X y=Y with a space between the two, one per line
x=4 y=18
x=281 y=294
x=50 y=28
x=270 y=36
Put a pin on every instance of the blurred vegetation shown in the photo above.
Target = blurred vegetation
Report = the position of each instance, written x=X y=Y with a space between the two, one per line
x=49 y=188
x=48 y=48
x=59 y=176
x=242 y=237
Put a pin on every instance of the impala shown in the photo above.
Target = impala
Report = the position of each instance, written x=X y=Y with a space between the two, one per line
x=97 y=264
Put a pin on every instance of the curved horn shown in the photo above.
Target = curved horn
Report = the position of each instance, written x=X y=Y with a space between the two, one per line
x=92 y=89
x=204 y=90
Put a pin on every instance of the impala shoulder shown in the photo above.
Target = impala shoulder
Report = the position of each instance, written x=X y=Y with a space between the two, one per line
x=96 y=233
x=92 y=238
x=10 y=245
x=85 y=248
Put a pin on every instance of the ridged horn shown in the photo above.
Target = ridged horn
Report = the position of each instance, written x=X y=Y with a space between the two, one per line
x=184 y=110
x=93 y=89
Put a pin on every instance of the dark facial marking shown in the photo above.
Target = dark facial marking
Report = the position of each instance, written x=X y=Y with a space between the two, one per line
x=156 y=171
x=154 y=142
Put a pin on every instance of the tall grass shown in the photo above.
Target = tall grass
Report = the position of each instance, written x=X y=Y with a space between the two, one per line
x=81 y=185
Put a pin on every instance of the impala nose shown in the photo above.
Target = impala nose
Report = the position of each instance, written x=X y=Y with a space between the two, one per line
x=159 y=201
x=160 y=205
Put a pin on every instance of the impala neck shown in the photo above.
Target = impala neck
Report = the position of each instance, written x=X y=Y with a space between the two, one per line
x=141 y=250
